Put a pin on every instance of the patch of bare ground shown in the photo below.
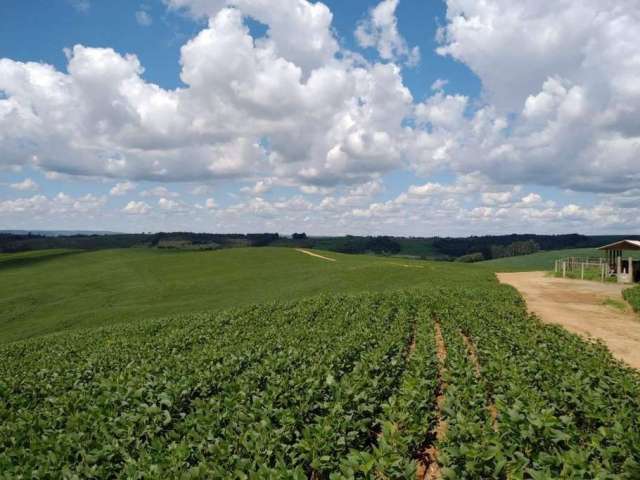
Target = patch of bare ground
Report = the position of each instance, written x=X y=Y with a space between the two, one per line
x=473 y=356
x=428 y=466
x=581 y=307
x=306 y=252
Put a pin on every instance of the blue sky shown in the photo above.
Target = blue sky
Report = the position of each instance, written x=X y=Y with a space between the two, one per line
x=162 y=117
x=41 y=30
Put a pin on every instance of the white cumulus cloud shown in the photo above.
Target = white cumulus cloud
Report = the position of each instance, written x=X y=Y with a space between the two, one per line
x=136 y=208
x=294 y=109
x=380 y=30
x=122 y=188
x=26 y=184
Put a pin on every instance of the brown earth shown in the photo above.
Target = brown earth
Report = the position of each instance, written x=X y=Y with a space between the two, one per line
x=429 y=468
x=306 y=252
x=579 y=306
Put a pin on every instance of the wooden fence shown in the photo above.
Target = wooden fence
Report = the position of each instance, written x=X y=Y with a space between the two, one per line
x=572 y=265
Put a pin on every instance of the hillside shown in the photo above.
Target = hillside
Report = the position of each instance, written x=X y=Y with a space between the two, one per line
x=536 y=261
x=45 y=292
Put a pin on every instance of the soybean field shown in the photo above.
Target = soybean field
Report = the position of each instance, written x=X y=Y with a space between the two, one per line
x=439 y=382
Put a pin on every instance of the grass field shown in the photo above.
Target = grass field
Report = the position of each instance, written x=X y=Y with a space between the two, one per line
x=537 y=261
x=44 y=292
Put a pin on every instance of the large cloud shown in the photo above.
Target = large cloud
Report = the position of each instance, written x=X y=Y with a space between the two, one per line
x=298 y=31
x=284 y=105
x=561 y=90
x=560 y=105
x=514 y=47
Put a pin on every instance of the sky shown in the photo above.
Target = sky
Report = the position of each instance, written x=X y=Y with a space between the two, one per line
x=392 y=117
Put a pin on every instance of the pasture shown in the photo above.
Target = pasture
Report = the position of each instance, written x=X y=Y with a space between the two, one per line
x=50 y=291
x=540 y=261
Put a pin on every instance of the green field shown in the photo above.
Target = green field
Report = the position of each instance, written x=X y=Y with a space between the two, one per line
x=334 y=387
x=296 y=367
x=44 y=293
x=541 y=261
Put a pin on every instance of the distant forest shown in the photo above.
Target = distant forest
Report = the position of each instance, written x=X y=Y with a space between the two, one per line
x=468 y=249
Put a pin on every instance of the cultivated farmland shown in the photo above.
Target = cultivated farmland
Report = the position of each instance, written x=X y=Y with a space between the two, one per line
x=50 y=291
x=450 y=378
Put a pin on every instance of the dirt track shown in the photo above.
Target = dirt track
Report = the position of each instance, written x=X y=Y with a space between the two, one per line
x=315 y=255
x=578 y=306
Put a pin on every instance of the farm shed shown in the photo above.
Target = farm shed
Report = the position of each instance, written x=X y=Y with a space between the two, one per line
x=625 y=268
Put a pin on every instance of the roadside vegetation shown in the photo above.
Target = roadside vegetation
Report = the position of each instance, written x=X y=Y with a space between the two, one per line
x=614 y=303
x=632 y=295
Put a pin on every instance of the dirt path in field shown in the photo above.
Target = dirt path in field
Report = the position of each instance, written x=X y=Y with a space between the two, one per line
x=580 y=307
x=307 y=252
x=429 y=467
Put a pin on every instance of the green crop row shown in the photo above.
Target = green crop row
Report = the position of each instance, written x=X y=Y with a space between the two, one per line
x=565 y=408
x=408 y=416
x=275 y=391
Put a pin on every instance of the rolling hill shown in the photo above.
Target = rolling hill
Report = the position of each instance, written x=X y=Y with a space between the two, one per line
x=49 y=291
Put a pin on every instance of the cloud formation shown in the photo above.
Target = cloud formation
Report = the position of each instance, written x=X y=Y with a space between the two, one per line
x=380 y=30
x=295 y=109
x=60 y=204
x=122 y=188
x=136 y=208
x=248 y=108
x=562 y=90
x=26 y=184
x=143 y=18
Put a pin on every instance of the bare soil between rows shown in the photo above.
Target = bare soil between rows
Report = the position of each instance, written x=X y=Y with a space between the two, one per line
x=579 y=306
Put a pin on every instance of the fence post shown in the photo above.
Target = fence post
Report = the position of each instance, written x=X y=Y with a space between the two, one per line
x=603 y=273
x=564 y=269
x=556 y=267
x=582 y=271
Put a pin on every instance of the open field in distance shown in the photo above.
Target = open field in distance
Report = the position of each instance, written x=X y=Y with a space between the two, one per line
x=540 y=261
x=44 y=293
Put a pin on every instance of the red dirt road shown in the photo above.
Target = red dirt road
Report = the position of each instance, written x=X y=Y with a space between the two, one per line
x=579 y=307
